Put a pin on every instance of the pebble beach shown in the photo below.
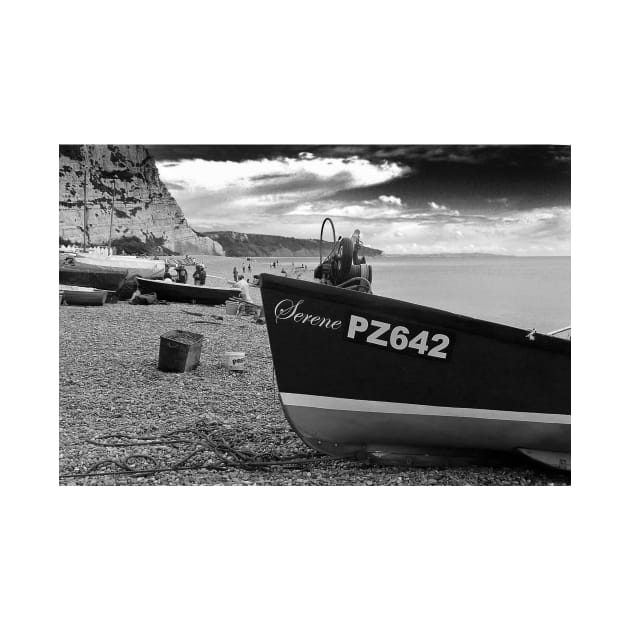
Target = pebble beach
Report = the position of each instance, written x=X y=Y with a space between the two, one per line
x=120 y=415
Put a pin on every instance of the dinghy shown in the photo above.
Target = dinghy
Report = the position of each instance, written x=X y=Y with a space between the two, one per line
x=83 y=296
x=175 y=292
x=114 y=273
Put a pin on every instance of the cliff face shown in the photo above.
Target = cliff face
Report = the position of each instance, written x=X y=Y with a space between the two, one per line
x=239 y=244
x=143 y=206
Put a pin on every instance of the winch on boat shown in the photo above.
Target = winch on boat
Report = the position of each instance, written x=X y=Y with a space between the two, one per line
x=343 y=267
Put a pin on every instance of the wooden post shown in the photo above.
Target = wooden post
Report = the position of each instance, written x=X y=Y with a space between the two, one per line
x=85 y=200
x=111 y=220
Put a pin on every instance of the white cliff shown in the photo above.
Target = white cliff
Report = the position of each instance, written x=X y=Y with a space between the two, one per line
x=143 y=207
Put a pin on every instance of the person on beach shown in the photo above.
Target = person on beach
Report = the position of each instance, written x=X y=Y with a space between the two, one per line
x=200 y=275
x=182 y=274
x=235 y=274
x=242 y=285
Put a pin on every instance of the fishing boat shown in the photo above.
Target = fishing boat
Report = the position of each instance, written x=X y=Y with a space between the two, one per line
x=83 y=296
x=110 y=280
x=113 y=273
x=366 y=376
x=175 y=292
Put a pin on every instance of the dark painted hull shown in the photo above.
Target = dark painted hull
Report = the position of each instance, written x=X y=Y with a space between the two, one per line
x=475 y=385
x=111 y=273
x=77 y=297
x=173 y=292
x=108 y=280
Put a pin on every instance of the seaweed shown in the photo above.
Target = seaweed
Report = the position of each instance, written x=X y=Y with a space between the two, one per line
x=72 y=151
x=117 y=157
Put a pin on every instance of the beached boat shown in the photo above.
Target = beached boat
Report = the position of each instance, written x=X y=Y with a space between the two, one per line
x=83 y=296
x=361 y=375
x=114 y=273
x=175 y=292
x=107 y=279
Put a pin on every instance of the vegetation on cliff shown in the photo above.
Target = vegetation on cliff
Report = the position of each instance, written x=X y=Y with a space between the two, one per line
x=132 y=246
x=238 y=244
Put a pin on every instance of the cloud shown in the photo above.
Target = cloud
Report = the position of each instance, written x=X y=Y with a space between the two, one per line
x=257 y=193
x=291 y=195
x=384 y=207
x=390 y=199
x=541 y=231
x=437 y=206
x=307 y=172
x=365 y=211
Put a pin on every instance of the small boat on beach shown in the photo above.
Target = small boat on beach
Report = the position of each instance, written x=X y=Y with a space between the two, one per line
x=175 y=292
x=365 y=376
x=109 y=280
x=113 y=273
x=83 y=296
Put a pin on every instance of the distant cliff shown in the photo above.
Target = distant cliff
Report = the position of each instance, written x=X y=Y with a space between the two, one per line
x=143 y=207
x=241 y=245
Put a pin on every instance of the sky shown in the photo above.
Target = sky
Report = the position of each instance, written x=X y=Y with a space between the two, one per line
x=405 y=199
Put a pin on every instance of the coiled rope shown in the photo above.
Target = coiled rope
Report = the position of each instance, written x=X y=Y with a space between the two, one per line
x=214 y=452
x=363 y=284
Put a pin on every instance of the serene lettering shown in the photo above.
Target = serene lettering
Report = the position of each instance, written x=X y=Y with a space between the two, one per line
x=288 y=310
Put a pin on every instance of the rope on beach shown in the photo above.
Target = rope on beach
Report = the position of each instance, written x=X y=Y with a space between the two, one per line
x=215 y=452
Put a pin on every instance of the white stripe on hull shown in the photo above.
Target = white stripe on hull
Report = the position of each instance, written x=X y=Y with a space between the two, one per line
x=336 y=431
x=379 y=406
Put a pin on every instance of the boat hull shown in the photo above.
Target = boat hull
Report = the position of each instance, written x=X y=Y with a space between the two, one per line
x=87 y=297
x=114 y=273
x=108 y=280
x=350 y=384
x=174 y=292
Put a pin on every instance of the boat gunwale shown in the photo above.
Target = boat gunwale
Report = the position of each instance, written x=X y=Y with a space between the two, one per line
x=409 y=310
x=181 y=285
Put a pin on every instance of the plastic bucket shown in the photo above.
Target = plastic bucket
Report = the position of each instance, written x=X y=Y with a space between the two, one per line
x=231 y=307
x=234 y=361
x=180 y=351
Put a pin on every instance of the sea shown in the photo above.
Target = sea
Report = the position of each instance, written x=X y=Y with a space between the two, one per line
x=527 y=292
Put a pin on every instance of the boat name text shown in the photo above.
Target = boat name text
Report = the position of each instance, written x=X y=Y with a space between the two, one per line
x=377 y=333
x=287 y=309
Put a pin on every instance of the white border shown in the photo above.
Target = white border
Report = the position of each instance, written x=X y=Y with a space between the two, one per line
x=457 y=72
